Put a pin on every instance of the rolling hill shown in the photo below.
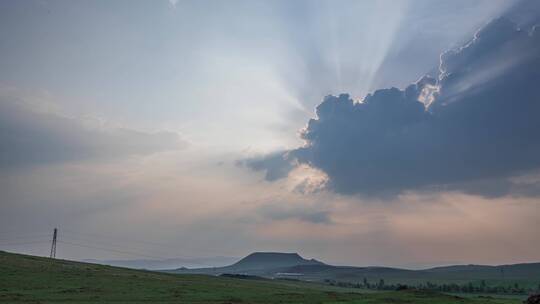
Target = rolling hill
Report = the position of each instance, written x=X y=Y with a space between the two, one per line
x=30 y=279
x=280 y=265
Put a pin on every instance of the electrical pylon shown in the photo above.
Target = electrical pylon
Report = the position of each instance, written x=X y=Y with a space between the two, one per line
x=53 y=245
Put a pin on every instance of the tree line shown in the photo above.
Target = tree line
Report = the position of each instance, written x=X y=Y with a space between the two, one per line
x=470 y=287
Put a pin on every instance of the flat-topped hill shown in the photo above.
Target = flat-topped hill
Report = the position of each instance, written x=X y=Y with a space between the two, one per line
x=262 y=260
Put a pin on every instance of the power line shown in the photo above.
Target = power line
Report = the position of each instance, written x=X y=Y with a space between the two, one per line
x=24 y=237
x=23 y=243
x=8 y=231
x=109 y=245
x=130 y=240
x=111 y=250
x=126 y=241
x=129 y=252
x=122 y=239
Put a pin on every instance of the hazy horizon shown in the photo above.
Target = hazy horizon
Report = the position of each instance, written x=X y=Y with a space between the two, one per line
x=388 y=133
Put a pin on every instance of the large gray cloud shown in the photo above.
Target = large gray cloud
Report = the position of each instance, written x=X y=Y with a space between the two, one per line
x=30 y=137
x=482 y=128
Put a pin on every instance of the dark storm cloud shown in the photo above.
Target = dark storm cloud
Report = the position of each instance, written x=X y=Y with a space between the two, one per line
x=276 y=165
x=526 y=13
x=30 y=137
x=482 y=128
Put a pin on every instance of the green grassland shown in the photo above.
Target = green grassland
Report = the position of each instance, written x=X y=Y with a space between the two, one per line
x=29 y=279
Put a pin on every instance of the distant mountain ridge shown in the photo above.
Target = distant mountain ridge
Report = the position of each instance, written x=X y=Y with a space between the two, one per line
x=276 y=265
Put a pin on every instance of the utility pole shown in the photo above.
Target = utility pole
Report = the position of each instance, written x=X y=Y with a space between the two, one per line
x=53 y=245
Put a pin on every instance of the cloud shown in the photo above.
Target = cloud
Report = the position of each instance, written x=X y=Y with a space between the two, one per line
x=477 y=124
x=526 y=13
x=33 y=137
x=275 y=165
x=173 y=3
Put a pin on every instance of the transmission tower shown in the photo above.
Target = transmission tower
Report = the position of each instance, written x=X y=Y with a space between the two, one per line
x=53 y=245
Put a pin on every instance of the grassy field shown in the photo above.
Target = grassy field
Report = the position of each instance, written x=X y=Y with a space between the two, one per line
x=29 y=279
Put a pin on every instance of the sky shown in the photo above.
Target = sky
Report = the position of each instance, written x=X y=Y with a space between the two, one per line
x=398 y=133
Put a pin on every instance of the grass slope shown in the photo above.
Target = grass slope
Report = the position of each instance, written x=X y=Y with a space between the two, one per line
x=29 y=279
